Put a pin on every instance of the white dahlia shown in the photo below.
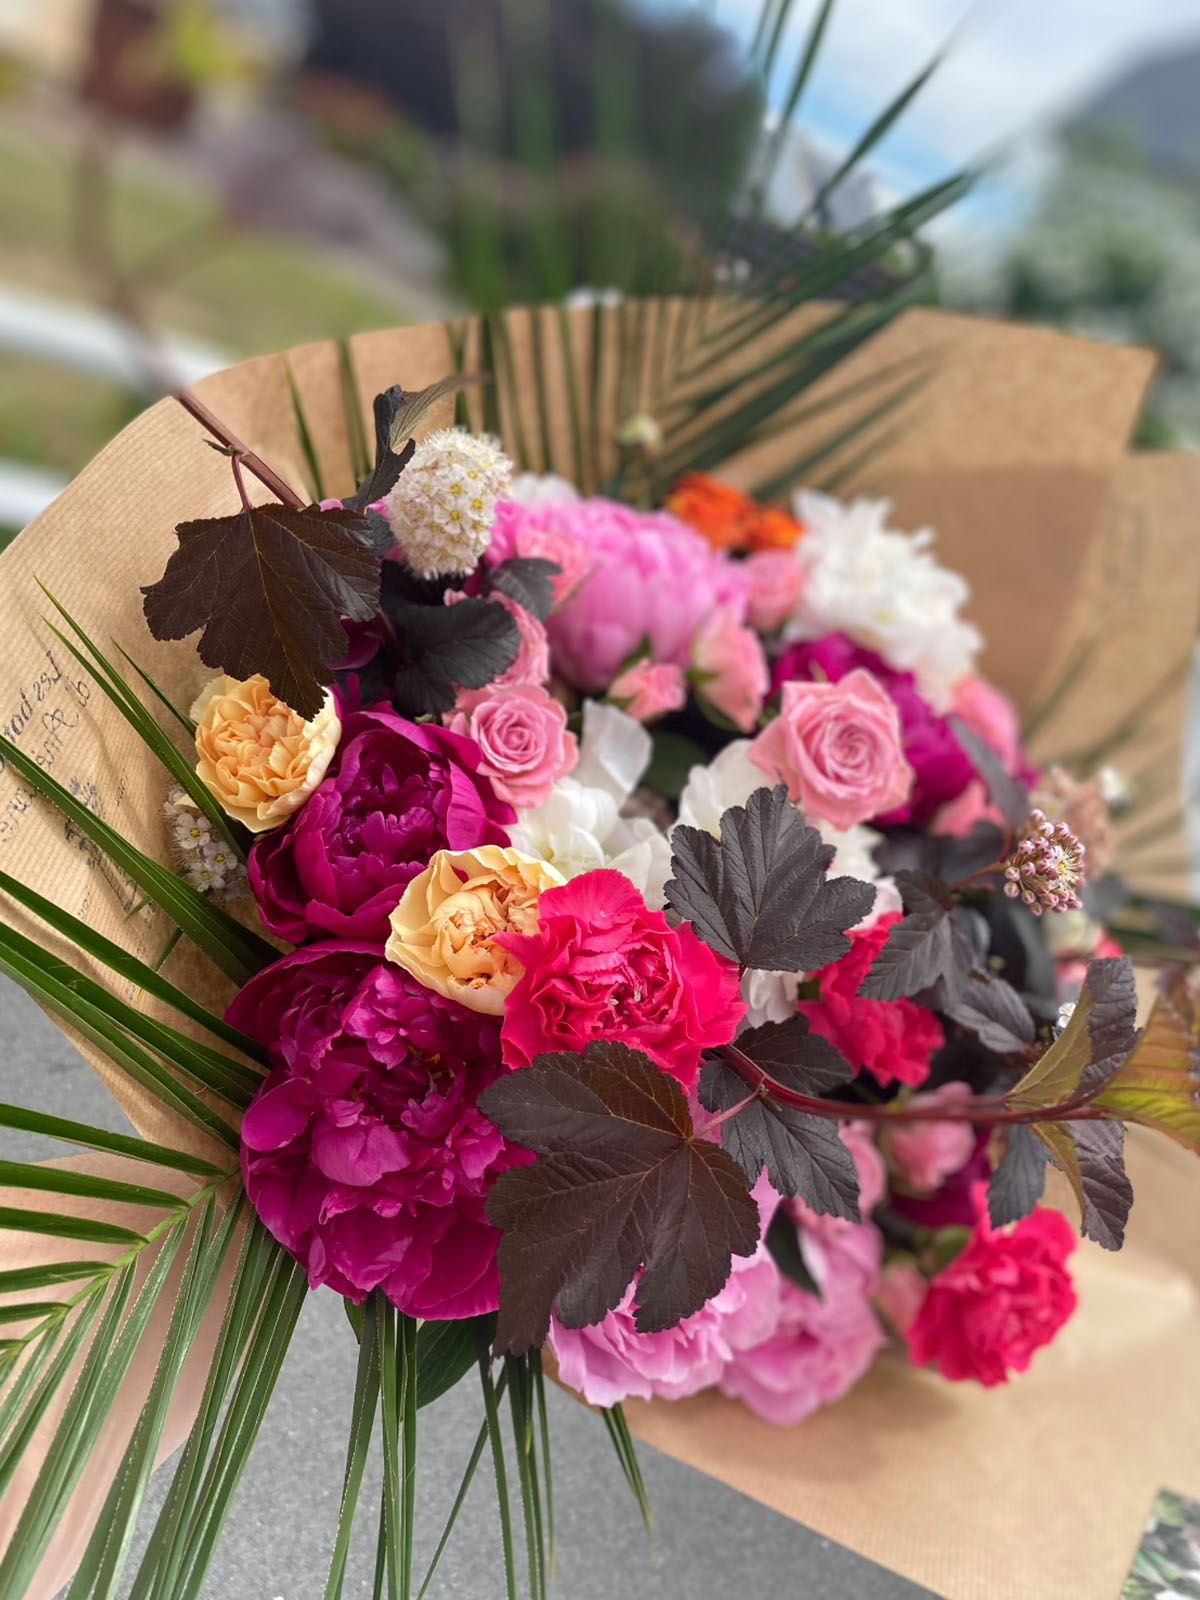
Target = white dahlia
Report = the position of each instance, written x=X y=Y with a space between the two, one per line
x=443 y=505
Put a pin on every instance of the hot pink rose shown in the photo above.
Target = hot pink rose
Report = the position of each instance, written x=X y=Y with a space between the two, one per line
x=604 y=966
x=524 y=744
x=733 y=656
x=541 y=533
x=651 y=688
x=991 y=714
x=839 y=748
x=923 y=1154
x=532 y=661
x=774 y=581
x=1004 y=1297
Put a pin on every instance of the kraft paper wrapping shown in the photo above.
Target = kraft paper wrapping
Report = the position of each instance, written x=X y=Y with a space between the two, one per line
x=1015 y=450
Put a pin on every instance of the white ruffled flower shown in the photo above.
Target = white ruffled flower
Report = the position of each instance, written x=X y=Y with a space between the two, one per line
x=729 y=780
x=885 y=590
x=537 y=489
x=443 y=505
x=206 y=860
x=580 y=827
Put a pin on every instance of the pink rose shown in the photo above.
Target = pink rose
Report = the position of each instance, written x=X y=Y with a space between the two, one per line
x=774 y=581
x=991 y=714
x=839 y=748
x=603 y=966
x=1004 y=1297
x=651 y=688
x=532 y=661
x=733 y=656
x=523 y=741
x=923 y=1155
x=900 y=1294
x=541 y=533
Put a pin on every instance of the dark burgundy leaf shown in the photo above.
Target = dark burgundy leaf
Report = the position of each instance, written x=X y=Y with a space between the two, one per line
x=942 y=855
x=782 y=1240
x=792 y=1054
x=1019 y=1181
x=442 y=648
x=1112 y=990
x=995 y=1013
x=759 y=894
x=269 y=586
x=802 y=1153
x=1008 y=794
x=529 y=581
x=620 y=1183
x=934 y=947
x=397 y=413
x=1107 y=1191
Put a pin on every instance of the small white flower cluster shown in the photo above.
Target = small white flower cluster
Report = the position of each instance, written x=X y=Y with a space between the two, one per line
x=885 y=590
x=443 y=505
x=207 y=861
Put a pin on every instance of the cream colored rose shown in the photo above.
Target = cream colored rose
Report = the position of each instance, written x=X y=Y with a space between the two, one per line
x=259 y=757
x=443 y=929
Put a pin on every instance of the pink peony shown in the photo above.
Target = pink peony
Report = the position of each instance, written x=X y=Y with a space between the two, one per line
x=524 y=743
x=396 y=792
x=735 y=669
x=923 y=1154
x=651 y=689
x=532 y=662
x=651 y=584
x=893 y=1040
x=1004 y=1297
x=541 y=533
x=839 y=749
x=603 y=966
x=774 y=580
x=959 y=817
x=363 y=1152
x=989 y=712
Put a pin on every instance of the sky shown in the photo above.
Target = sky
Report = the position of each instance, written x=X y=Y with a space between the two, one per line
x=1012 y=68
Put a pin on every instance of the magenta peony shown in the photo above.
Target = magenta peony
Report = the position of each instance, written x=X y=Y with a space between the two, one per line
x=397 y=792
x=604 y=966
x=524 y=744
x=1004 y=1297
x=363 y=1152
x=733 y=668
x=651 y=583
x=838 y=748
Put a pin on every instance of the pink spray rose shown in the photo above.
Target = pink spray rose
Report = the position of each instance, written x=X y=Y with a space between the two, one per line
x=1004 y=1297
x=839 y=749
x=541 y=533
x=524 y=744
x=774 y=580
x=604 y=966
x=532 y=661
x=651 y=584
x=924 y=1154
x=735 y=667
x=651 y=689
x=363 y=1152
x=396 y=792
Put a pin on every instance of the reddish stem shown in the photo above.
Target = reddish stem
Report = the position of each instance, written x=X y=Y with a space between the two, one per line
x=984 y=1110
x=252 y=463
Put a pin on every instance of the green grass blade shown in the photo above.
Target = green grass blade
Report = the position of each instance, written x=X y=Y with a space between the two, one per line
x=385 y=1322
x=50 y=1357
x=88 y=1230
x=238 y=952
x=18 y=1279
x=447 y=1351
x=360 y=454
x=531 y=1513
x=181 y=716
x=64 y=1180
x=543 y=1419
x=305 y=435
x=460 y=1497
x=492 y=1409
x=408 y=1480
x=21 y=1120
x=362 y=1422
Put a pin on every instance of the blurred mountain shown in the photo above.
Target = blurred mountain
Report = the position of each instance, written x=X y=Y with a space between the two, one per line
x=1153 y=110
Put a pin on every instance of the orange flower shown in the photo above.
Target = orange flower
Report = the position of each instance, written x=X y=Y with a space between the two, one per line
x=774 y=528
x=729 y=519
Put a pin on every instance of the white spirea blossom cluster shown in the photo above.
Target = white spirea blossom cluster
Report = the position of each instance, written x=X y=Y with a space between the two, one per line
x=206 y=860
x=886 y=590
x=443 y=505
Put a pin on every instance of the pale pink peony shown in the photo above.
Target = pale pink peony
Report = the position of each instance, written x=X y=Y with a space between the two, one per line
x=989 y=712
x=542 y=533
x=649 y=689
x=524 y=743
x=532 y=661
x=774 y=580
x=924 y=1154
x=839 y=748
x=736 y=677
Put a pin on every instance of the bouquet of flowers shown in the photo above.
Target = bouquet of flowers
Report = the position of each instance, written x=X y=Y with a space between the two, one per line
x=651 y=956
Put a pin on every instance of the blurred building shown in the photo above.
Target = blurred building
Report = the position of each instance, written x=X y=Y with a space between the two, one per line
x=1154 y=111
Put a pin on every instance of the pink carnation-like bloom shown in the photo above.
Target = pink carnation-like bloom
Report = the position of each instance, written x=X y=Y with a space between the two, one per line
x=732 y=659
x=924 y=1154
x=604 y=966
x=651 y=689
x=541 y=533
x=774 y=582
x=1004 y=1297
x=363 y=1152
x=524 y=744
x=839 y=748
x=651 y=583
x=532 y=661
x=893 y=1040
x=396 y=792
